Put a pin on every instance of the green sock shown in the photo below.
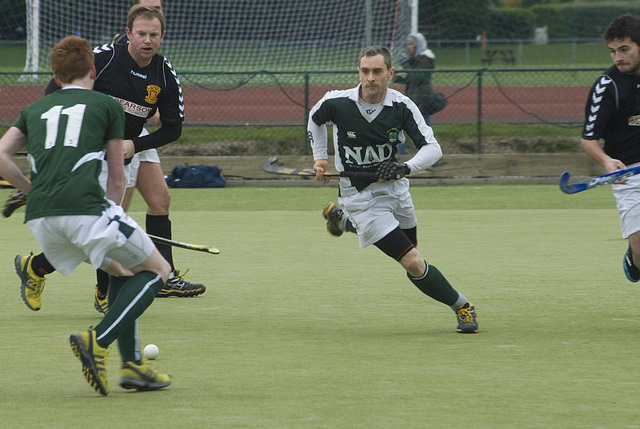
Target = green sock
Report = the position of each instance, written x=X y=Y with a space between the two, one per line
x=435 y=285
x=128 y=299
x=127 y=343
x=115 y=283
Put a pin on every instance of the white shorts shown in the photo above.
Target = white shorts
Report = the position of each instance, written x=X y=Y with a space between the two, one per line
x=149 y=155
x=68 y=241
x=628 y=203
x=379 y=209
x=131 y=169
x=104 y=175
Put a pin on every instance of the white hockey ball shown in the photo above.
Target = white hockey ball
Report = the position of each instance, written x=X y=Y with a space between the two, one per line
x=151 y=352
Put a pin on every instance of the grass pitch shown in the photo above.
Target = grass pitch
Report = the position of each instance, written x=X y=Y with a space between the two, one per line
x=301 y=329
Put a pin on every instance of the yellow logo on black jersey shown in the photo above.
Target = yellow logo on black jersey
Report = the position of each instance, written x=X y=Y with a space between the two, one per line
x=152 y=94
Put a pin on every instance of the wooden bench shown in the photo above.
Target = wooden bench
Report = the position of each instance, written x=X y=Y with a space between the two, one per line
x=506 y=55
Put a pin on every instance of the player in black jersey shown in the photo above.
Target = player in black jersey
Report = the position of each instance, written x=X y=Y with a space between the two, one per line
x=613 y=116
x=143 y=159
x=145 y=166
x=143 y=82
x=369 y=122
x=151 y=183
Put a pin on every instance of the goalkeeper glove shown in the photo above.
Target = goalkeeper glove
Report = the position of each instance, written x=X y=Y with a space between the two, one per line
x=391 y=170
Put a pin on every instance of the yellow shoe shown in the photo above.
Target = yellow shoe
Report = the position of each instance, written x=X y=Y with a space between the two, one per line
x=142 y=377
x=100 y=303
x=93 y=358
x=333 y=214
x=32 y=284
x=16 y=200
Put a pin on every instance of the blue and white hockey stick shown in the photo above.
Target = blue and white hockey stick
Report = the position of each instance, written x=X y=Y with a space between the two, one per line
x=594 y=182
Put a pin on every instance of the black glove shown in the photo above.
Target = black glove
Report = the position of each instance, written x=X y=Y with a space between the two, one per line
x=390 y=170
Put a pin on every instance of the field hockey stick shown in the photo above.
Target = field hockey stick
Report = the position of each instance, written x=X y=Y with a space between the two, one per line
x=269 y=166
x=197 y=247
x=594 y=182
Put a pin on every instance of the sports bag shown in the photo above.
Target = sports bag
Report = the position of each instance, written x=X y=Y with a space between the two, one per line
x=196 y=176
x=432 y=103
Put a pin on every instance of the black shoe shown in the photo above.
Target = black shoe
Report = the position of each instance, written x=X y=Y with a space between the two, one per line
x=180 y=288
x=630 y=269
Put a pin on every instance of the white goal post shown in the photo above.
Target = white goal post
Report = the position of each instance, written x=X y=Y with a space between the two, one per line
x=232 y=35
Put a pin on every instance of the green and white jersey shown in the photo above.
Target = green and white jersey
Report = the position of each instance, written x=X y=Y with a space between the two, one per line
x=366 y=135
x=67 y=132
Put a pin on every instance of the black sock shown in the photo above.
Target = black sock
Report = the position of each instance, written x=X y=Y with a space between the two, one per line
x=41 y=265
x=102 y=282
x=161 y=227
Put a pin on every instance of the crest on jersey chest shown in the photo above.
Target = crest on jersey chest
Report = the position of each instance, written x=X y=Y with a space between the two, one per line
x=152 y=94
x=392 y=135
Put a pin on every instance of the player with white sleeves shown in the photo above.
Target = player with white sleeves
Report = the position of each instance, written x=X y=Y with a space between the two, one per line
x=369 y=122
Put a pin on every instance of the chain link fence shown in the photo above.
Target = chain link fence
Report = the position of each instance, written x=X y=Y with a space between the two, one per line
x=490 y=110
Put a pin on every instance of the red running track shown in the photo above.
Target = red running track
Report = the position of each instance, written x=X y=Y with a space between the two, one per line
x=270 y=105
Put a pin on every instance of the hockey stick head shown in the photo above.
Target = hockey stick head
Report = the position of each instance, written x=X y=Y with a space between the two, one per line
x=567 y=188
x=268 y=162
x=269 y=165
x=594 y=182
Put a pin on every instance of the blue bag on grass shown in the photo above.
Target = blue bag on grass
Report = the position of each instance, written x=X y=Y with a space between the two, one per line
x=196 y=176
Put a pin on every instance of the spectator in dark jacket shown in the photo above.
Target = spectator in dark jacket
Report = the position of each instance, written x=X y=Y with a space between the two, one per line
x=417 y=77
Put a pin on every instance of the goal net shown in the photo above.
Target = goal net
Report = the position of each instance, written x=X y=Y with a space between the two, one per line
x=228 y=35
